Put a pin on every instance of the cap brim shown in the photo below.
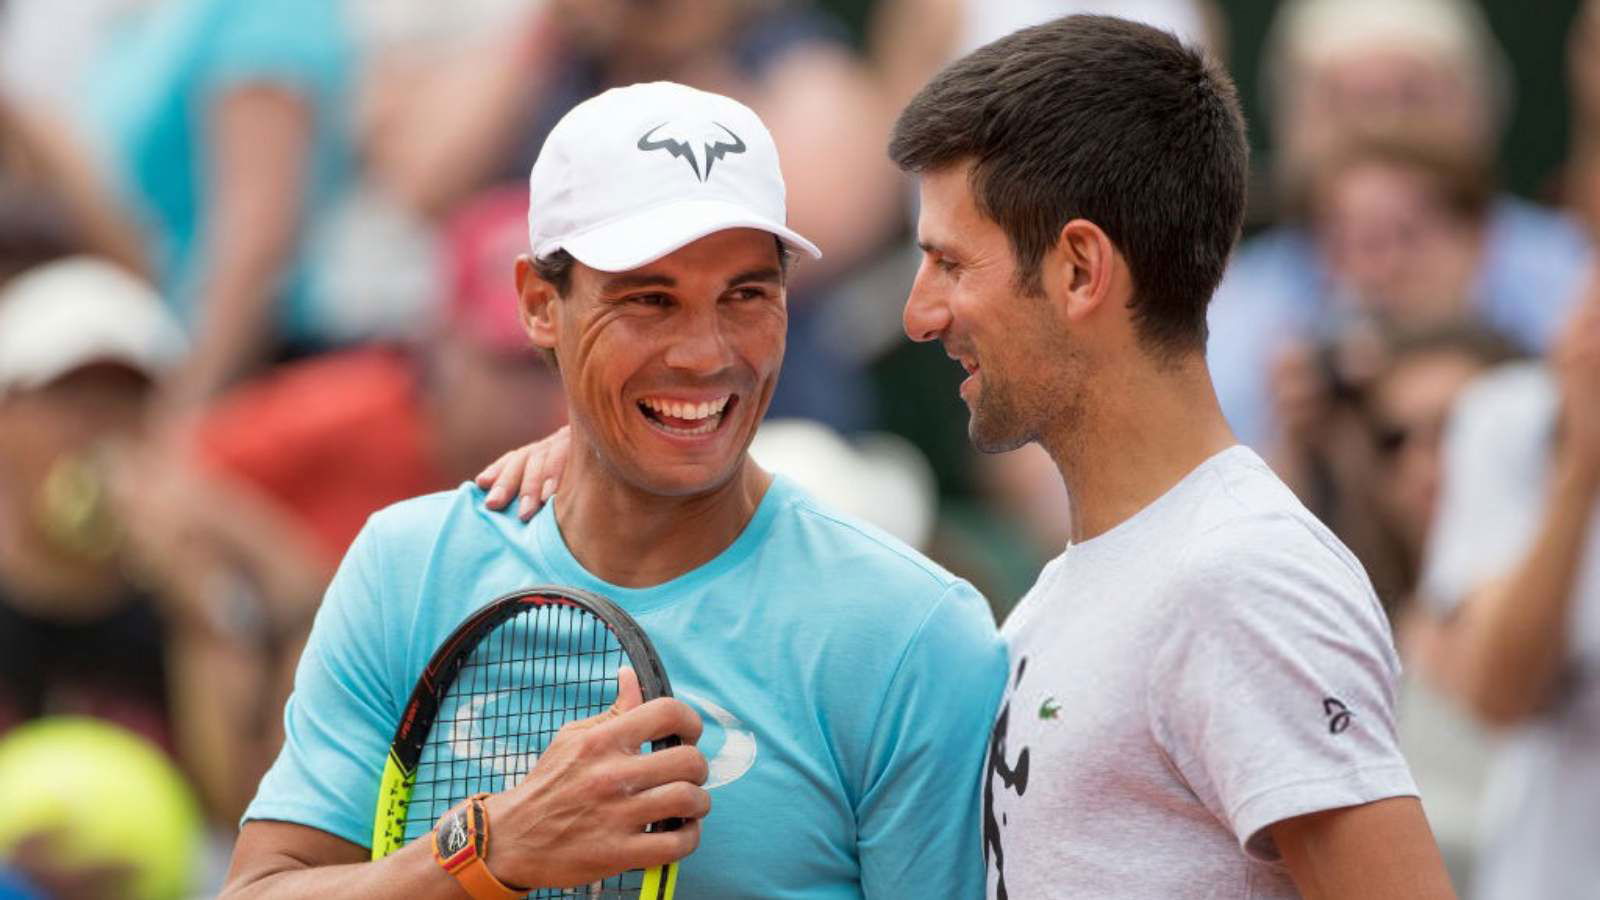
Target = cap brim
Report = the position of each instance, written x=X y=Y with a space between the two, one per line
x=645 y=237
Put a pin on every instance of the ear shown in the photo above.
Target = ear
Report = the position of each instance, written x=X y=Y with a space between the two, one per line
x=1086 y=264
x=536 y=305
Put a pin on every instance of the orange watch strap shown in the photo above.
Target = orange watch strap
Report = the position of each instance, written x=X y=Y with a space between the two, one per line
x=480 y=883
x=467 y=864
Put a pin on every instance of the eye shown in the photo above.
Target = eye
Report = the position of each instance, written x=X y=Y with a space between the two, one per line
x=946 y=265
x=748 y=293
x=657 y=299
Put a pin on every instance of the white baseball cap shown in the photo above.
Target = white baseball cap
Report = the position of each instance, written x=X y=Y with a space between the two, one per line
x=637 y=172
x=64 y=315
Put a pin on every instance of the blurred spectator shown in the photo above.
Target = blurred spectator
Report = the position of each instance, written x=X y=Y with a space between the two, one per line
x=1361 y=438
x=81 y=344
x=1513 y=577
x=221 y=124
x=1341 y=70
x=1400 y=228
x=247 y=527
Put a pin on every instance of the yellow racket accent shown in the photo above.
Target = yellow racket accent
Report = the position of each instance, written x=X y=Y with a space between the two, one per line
x=659 y=882
x=394 y=792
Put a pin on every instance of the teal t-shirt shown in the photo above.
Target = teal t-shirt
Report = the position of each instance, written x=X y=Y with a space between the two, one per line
x=148 y=105
x=846 y=683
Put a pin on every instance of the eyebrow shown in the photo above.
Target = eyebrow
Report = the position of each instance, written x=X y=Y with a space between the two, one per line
x=929 y=246
x=765 y=274
x=629 y=282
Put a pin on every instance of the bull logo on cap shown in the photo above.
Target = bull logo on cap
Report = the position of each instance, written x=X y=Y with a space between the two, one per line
x=681 y=141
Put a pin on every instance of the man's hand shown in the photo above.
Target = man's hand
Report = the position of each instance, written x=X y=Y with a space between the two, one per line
x=581 y=814
x=532 y=471
x=577 y=818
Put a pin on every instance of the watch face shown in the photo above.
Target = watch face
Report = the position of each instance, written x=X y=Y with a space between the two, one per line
x=453 y=833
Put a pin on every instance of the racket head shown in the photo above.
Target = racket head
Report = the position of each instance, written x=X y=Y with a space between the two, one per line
x=492 y=697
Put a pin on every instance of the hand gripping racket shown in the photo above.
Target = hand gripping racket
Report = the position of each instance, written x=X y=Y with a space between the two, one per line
x=492 y=699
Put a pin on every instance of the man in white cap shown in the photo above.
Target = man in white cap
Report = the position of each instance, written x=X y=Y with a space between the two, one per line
x=819 y=648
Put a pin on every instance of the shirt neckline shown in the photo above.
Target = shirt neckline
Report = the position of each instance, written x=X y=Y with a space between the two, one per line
x=550 y=547
x=1111 y=536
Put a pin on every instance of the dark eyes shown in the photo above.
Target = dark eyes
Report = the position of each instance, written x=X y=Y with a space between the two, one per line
x=660 y=300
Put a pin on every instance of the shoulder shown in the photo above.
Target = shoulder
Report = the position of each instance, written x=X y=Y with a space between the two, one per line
x=410 y=533
x=1254 y=546
x=863 y=575
x=837 y=538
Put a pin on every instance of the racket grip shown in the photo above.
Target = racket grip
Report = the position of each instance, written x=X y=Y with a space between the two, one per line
x=674 y=823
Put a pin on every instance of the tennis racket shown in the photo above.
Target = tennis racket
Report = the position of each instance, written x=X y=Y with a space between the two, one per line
x=492 y=699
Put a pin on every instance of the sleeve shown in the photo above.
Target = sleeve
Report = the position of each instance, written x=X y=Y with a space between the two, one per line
x=299 y=44
x=918 y=817
x=1274 y=693
x=1495 y=449
x=341 y=715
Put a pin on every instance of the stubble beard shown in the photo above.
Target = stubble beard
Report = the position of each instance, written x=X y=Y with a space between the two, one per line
x=1000 y=420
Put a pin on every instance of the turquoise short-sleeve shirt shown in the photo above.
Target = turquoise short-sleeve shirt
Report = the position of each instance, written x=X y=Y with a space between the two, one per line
x=846 y=685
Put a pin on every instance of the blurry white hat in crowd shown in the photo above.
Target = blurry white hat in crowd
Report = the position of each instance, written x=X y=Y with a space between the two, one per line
x=988 y=20
x=1306 y=34
x=878 y=478
x=64 y=315
x=637 y=172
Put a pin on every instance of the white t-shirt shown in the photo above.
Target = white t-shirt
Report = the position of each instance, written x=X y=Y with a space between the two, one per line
x=1213 y=665
x=1542 y=805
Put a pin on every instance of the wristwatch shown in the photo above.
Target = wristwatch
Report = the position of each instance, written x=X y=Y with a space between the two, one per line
x=461 y=846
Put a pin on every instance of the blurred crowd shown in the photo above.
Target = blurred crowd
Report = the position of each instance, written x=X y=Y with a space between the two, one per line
x=255 y=284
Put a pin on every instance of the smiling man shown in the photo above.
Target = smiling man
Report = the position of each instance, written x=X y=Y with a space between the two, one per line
x=1201 y=698
x=846 y=683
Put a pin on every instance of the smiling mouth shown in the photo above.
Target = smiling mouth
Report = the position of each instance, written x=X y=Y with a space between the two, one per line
x=684 y=419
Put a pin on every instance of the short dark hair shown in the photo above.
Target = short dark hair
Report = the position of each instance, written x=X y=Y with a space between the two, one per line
x=1102 y=119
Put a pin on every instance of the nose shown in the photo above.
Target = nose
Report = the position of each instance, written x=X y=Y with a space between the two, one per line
x=700 y=346
x=926 y=315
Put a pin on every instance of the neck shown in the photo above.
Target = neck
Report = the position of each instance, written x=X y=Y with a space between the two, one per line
x=664 y=537
x=1133 y=439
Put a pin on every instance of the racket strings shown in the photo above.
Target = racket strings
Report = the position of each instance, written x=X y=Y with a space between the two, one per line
x=546 y=666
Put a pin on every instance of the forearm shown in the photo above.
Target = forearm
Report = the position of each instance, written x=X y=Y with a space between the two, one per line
x=261 y=144
x=1512 y=635
x=411 y=873
x=445 y=135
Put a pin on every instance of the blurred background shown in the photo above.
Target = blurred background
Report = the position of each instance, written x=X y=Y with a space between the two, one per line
x=255 y=283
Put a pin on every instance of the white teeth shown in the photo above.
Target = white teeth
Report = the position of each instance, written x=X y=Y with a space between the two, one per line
x=687 y=411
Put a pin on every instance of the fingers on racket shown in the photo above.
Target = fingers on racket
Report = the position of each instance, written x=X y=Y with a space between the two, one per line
x=657 y=721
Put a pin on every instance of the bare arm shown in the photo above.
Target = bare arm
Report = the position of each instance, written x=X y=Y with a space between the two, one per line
x=437 y=128
x=260 y=140
x=1504 y=652
x=1506 y=647
x=578 y=817
x=1380 y=851
x=49 y=154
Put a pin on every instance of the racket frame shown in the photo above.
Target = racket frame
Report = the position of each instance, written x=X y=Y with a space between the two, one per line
x=421 y=709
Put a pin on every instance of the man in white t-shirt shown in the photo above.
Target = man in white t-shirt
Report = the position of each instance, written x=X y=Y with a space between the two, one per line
x=1513 y=572
x=1201 y=695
